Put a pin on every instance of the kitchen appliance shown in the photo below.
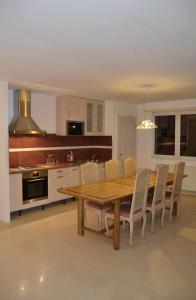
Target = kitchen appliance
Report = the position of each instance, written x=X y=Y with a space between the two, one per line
x=35 y=185
x=26 y=167
x=22 y=122
x=75 y=128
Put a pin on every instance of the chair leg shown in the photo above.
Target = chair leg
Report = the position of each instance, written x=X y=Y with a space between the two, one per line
x=171 y=212
x=106 y=225
x=178 y=208
x=123 y=225
x=152 y=221
x=143 y=226
x=131 y=234
x=162 y=216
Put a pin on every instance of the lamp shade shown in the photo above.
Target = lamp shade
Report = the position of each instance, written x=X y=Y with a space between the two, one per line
x=146 y=124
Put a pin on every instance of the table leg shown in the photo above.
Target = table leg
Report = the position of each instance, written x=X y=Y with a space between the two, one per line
x=116 y=238
x=80 y=216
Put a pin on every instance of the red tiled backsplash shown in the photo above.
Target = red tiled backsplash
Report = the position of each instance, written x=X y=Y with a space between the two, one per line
x=52 y=140
x=39 y=157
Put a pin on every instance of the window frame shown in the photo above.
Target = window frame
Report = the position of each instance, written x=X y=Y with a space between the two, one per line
x=177 y=136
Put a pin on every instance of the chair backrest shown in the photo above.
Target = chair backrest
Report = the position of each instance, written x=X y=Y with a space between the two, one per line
x=112 y=169
x=178 y=177
x=160 y=185
x=129 y=166
x=89 y=173
x=140 y=191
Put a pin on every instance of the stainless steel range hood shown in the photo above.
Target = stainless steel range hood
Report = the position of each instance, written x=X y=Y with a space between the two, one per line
x=22 y=122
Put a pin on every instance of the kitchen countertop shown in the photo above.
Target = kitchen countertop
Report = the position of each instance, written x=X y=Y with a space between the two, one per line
x=16 y=170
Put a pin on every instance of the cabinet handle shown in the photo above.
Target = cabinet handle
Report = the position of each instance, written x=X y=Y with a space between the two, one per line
x=74 y=169
x=59 y=177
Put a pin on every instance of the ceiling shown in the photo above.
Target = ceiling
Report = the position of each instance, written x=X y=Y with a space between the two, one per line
x=101 y=49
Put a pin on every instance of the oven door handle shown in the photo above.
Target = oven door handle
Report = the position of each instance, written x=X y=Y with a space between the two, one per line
x=37 y=179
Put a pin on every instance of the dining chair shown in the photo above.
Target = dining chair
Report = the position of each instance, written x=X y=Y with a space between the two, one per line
x=90 y=174
x=129 y=166
x=112 y=169
x=157 y=201
x=137 y=210
x=174 y=195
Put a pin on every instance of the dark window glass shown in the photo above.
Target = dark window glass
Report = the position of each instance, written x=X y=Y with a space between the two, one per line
x=188 y=135
x=165 y=135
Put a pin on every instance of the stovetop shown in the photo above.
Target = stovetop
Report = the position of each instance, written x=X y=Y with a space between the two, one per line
x=27 y=167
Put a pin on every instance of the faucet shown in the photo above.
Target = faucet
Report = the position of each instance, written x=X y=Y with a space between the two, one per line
x=93 y=157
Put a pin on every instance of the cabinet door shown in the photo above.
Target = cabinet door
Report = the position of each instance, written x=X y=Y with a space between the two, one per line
x=99 y=118
x=69 y=108
x=15 y=192
x=94 y=118
x=89 y=118
x=61 y=107
x=75 y=176
x=76 y=109
x=57 y=179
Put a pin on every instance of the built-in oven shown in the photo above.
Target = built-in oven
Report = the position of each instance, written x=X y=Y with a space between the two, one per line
x=35 y=185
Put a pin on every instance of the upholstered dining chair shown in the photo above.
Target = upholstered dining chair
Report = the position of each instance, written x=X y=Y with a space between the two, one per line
x=90 y=174
x=157 y=201
x=112 y=169
x=129 y=166
x=174 y=195
x=137 y=210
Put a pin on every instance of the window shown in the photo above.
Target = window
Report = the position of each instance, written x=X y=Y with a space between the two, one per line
x=165 y=135
x=176 y=134
x=188 y=135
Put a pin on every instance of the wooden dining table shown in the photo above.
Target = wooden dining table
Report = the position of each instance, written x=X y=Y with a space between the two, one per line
x=107 y=192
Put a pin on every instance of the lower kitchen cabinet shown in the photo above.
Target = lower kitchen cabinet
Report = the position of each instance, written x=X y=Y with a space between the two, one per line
x=15 y=192
x=75 y=176
x=58 y=178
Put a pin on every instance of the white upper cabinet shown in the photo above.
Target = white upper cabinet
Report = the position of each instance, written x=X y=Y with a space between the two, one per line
x=69 y=109
x=78 y=109
x=94 y=118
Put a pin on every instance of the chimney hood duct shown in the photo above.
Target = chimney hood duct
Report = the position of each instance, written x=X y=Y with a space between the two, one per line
x=22 y=122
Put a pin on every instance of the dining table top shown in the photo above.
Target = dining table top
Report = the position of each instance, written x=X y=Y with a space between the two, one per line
x=110 y=190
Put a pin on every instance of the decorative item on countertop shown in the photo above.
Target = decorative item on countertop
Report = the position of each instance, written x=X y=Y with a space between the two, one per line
x=50 y=159
x=70 y=156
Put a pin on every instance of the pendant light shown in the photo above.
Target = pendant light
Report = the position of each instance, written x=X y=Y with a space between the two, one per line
x=146 y=123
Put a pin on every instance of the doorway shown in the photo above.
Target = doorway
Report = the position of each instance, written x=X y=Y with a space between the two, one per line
x=126 y=136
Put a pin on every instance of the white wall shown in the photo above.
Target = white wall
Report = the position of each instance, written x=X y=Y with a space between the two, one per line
x=4 y=159
x=43 y=110
x=145 y=142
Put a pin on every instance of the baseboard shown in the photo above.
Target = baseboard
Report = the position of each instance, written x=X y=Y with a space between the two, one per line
x=189 y=193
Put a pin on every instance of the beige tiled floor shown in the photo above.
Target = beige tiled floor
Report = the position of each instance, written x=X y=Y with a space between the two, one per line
x=41 y=257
